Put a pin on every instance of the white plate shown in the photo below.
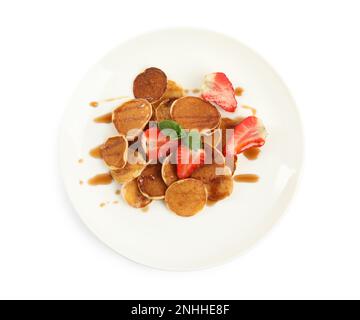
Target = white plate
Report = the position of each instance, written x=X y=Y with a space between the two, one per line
x=159 y=238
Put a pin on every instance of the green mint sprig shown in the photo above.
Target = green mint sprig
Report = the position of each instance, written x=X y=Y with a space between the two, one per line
x=192 y=139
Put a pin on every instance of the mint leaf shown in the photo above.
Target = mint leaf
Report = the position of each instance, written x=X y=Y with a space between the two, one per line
x=172 y=134
x=171 y=128
x=193 y=140
x=183 y=134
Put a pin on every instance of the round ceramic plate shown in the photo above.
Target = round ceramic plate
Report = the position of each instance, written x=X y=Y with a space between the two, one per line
x=159 y=238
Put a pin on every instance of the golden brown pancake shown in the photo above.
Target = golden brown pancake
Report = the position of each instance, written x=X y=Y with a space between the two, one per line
x=131 y=117
x=173 y=91
x=132 y=195
x=133 y=168
x=195 y=113
x=213 y=155
x=162 y=112
x=220 y=188
x=186 y=197
x=209 y=172
x=215 y=178
x=114 y=152
x=150 y=85
x=150 y=182
x=168 y=172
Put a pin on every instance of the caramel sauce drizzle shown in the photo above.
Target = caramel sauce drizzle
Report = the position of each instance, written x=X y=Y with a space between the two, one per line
x=106 y=118
x=253 y=110
x=239 y=91
x=247 y=178
x=101 y=179
x=252 y=153
x=96 y=152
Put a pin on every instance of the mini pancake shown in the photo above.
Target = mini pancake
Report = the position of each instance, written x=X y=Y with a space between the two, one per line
x=132 y=195
x=227 y=123
x=114 y=152
x=213 y=155
x=133 y=168
x=168 y=172
x=131 y=117
x=209 y=172
x=220 y=188
x=150 y=85
x=195 y=113
x=217 y=180
x=186 y=197
x=173 y=91
x=162 y=112
x=150 y=182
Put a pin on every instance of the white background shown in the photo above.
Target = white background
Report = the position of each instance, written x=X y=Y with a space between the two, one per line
x=46 y=48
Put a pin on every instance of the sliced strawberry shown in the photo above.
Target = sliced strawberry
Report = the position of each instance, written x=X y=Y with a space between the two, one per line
x=188 y=161
x=154 y=140
x=218 y=90
x=247 y=134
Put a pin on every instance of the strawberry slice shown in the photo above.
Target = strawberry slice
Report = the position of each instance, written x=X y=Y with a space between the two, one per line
x=247 y=134
x=154 y=140
x=217 y=89
x=188 y=161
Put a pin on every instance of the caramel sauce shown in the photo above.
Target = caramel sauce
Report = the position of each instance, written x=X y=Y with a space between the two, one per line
x=252 y=153
x=247 y=178
x=106 y=118
x=239 y=91
x=96 y=152
x=115 y=99
x=196 y=91
x=253 y=110
x=101 y=179
x=186 y=91
x=95 y=104
x=117 y=192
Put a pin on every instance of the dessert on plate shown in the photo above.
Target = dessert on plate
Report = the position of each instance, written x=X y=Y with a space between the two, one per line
x=178 y=148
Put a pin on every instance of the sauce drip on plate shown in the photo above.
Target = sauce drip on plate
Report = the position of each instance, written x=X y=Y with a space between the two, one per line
x=106 y=118
x=101 y=179
x=247 y=178
x=239 y=91
x=253 y=110
x=252 y=153
x=96 y=152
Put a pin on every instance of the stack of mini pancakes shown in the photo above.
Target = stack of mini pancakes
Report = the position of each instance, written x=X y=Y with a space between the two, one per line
x=158 y=99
